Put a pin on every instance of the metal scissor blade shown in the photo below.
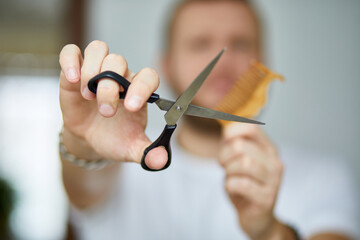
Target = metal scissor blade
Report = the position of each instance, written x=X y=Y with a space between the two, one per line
x=164 y=104
x=209 y=113
x=198 y=111
x=183 y=101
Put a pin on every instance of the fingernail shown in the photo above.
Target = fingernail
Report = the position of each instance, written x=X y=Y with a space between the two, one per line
x=134 y=102
x=87 y=94
x=72 y=74
x=106 y=110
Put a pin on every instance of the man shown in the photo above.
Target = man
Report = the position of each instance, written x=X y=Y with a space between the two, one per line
x=121 y=201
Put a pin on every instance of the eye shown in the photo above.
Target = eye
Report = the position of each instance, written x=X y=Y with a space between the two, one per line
x=199 y=44
x=241 y=45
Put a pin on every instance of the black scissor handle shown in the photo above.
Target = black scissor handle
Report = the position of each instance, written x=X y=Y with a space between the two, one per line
x=93 y=83
x=163 y=140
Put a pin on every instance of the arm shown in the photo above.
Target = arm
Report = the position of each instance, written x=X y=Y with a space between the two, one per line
x=84 y=187
x=101 y=126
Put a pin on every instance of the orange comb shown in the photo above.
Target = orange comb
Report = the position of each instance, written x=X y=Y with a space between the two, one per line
x=248 y=95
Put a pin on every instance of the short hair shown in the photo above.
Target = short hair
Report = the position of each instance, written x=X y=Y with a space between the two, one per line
x=180 y=5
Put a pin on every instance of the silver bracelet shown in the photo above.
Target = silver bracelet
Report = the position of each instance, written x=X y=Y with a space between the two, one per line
x=87 y=164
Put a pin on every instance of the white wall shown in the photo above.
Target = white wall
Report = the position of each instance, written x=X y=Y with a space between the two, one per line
x=314 y=44
x=30 y=121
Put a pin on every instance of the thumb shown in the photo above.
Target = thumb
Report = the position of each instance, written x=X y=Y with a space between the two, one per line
x=155 y=159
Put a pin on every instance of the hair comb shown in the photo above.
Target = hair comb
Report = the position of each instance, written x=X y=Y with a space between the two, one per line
x=248 y=95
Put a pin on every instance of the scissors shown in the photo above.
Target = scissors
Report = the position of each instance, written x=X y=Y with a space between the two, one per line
x=174 y=109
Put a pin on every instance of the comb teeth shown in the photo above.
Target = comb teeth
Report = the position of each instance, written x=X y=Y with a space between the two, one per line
x=243 y=89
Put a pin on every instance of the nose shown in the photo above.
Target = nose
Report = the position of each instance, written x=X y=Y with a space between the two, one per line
x=224 y=61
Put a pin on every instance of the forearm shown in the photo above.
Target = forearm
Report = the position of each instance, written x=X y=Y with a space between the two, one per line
x=277 y=231
x=84 y=187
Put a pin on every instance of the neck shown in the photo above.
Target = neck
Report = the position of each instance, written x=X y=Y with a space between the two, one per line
x=200 y=137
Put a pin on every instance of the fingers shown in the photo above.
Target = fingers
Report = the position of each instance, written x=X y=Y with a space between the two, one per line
x=237 y=147
x=108 y=90
x=241 y=157
x=142 y=86
x=249 y=131
x=70 y=60
x=96 y=60
x=252 y=171
x=247 y=166
x=250 y=140
x=94 y=56
x=246 y=188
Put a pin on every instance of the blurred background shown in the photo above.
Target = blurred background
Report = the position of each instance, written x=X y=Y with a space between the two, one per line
x=314 y=44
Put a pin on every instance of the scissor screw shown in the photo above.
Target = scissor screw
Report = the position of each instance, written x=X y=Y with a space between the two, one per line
x=178 y=108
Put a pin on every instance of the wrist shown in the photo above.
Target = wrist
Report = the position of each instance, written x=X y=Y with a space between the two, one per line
x=78 y=146
x=279 y=231
x=81 y=162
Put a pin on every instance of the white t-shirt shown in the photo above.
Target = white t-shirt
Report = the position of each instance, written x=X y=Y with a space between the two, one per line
x=188 y=201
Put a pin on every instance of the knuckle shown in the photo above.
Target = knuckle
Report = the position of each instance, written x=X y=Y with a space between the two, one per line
x=245 y=184
x=229 y=186
x=108 y=85
x=247 y=163
x=107 y=94
x=237 y=186
x=87 y=73
x=225 y=154
x=237 y=146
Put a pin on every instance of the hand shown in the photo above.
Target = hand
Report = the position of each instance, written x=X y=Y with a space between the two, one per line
x=106 y=127
x=253 y=176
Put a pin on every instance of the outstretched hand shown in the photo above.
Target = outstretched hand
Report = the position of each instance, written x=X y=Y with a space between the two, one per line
x=103 y=125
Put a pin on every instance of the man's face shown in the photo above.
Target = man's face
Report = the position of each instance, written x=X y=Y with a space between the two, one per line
x=201 y=30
